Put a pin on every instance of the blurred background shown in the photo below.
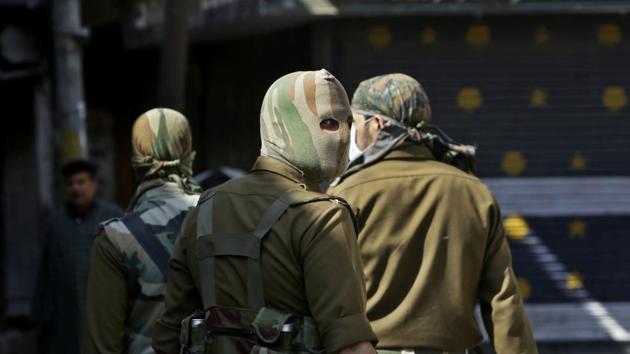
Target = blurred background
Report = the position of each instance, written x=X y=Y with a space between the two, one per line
x=541 y=86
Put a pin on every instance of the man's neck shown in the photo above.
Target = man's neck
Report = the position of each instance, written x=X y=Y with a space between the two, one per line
x=81 y=210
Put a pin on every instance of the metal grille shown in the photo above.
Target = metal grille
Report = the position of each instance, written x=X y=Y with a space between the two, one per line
x=560 y=105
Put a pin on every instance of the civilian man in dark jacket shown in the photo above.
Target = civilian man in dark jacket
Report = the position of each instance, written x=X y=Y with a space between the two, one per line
x=60 y=293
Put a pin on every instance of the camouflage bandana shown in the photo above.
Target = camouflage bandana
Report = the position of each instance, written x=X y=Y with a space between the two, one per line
x=162 y=148
x=290 y=118
x=396 y=96
x=404 y=104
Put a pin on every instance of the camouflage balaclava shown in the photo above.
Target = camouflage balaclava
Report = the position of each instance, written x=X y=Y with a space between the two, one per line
x=162 y=147
x=292 y=112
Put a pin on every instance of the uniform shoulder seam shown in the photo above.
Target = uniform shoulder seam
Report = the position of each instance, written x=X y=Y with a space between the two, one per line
x=473 y=179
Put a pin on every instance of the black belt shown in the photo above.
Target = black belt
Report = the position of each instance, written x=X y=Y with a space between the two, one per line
x=421 y=351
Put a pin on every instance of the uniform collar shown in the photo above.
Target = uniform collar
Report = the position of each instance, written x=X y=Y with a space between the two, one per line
x=410 y=151
x=273 y=165
x=156 y=188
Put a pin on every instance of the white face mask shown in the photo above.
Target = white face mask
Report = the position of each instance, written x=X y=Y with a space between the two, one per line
x=355 y=152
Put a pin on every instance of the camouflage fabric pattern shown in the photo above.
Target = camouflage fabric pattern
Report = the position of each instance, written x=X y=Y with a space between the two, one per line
x=396 y=96
x=234 y=319
x=163 y=209
x=291 y=113
x=161 y=144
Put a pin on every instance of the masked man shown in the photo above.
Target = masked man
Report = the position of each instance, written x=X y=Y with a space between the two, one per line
x=431 y=240
x=267 y=262
x=129 y=263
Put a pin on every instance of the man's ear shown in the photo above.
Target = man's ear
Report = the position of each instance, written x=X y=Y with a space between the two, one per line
x=381 y=121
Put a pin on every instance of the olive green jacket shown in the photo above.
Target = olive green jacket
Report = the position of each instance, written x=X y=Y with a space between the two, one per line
x=310 y=260
x=433 y=246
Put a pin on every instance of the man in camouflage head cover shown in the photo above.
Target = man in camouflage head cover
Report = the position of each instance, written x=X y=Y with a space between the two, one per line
x=129 y=262
x=431 y=240
x=267 y=250
x=393 y=108
x=397 y=96
x=291 y=131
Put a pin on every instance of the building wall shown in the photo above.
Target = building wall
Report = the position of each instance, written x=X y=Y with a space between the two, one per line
x=120 y=84
x=227 y=83
x=21 y=203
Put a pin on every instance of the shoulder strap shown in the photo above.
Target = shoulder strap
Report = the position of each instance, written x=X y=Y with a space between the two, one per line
x=209 y=194
x=212 y=244
x=299 y=197
x=291 y=198
x=205 y=227
x=146 y=238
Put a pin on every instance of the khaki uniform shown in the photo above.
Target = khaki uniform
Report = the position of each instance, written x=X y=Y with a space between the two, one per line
x=310 y=261
x=432 y=245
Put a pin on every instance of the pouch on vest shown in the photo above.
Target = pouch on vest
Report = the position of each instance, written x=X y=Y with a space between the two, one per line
x=287 y=333
x=255 y=329
x=193 y=333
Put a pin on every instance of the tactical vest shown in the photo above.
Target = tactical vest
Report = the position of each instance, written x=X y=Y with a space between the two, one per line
x=255 y=329
x=145 y=239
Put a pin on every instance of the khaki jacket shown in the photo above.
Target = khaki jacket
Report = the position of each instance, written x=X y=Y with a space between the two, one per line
x=433 y=246
x=310 y=260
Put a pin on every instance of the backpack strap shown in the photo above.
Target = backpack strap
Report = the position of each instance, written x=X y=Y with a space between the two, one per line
x=205 y=227
x=212 y=244
x=146 y=238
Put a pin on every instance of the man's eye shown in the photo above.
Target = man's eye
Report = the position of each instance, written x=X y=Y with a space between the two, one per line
x=329 y=124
